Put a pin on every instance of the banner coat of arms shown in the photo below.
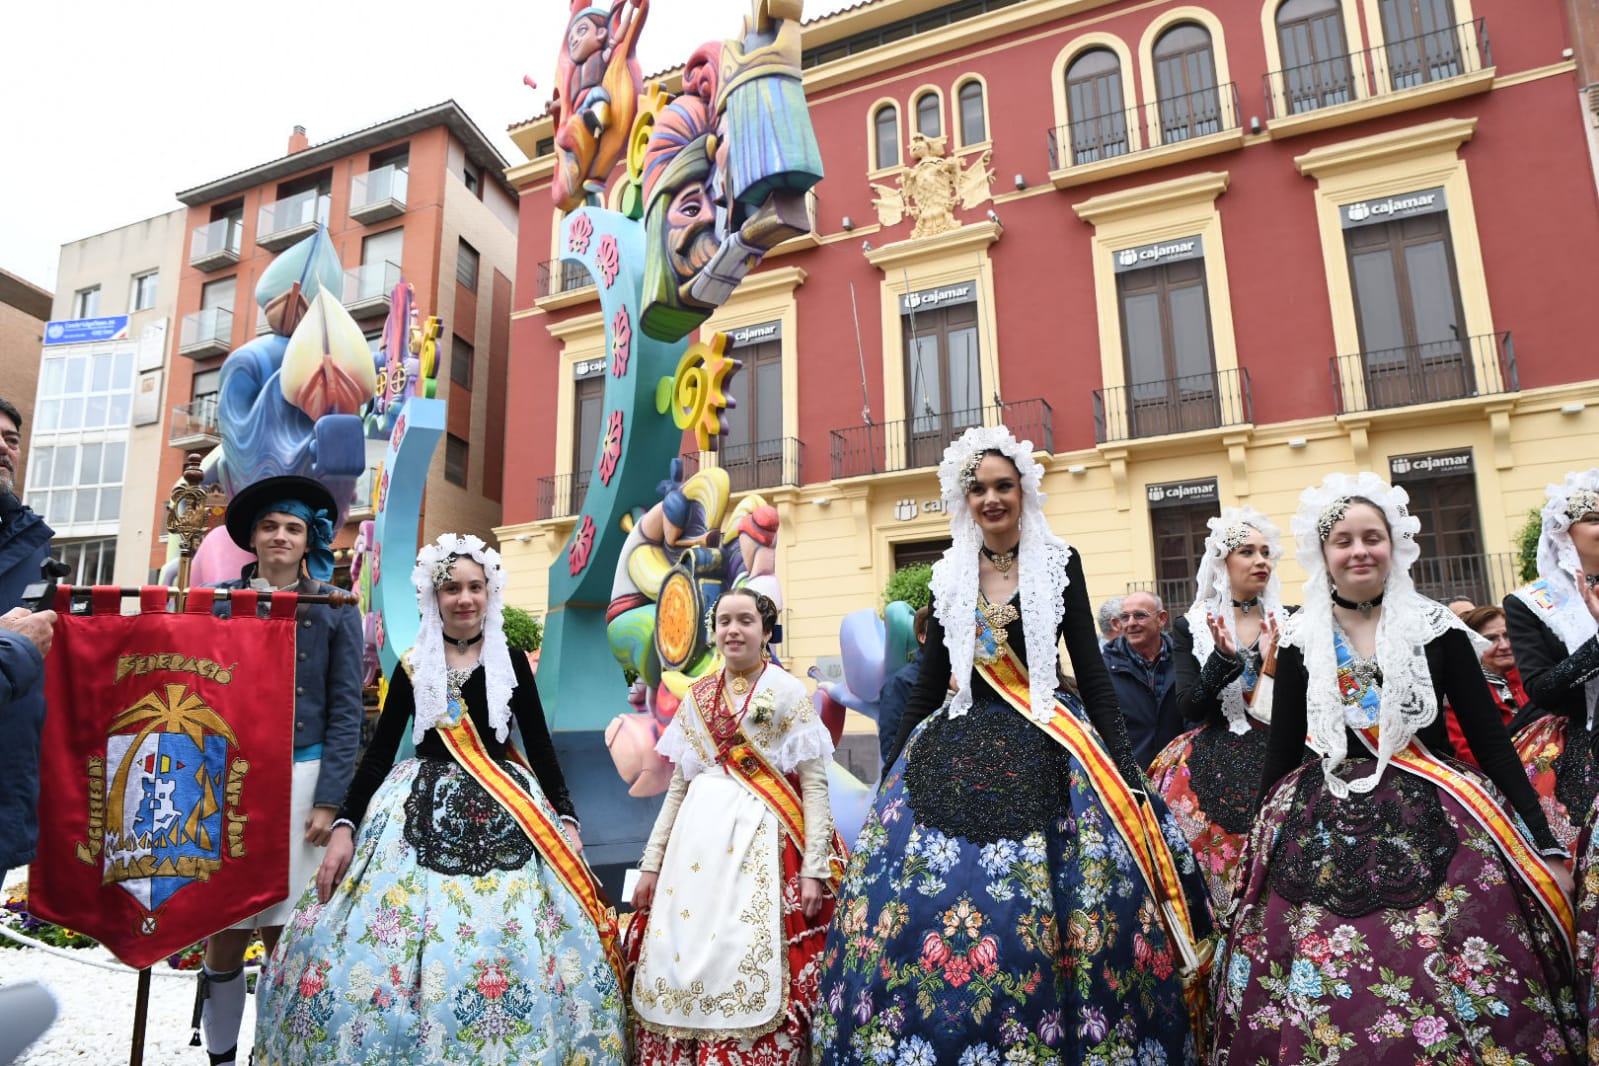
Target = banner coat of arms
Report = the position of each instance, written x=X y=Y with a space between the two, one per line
x=165 y=770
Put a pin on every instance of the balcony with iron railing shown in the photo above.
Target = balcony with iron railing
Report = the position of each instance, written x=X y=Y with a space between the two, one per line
x=1432 y=372
x=1411 y=72
x=194 y=425
x=557 y=276
x=1174 y=405
x=216 y=244
x=292 y=219
x=765 y=464
x=560 y=495
x=911 y=443
x=1172 y=128
x=367 y=289
x=205 y=333
x=378 y=194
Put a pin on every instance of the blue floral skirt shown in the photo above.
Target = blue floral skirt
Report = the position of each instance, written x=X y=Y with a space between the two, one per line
x=991 y=913
x=449 y=941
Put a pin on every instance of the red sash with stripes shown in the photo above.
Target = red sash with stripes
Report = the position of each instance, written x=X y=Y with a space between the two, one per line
x=1469 y=792
x=1135 y=820
x=467 y=746
x=746 y=765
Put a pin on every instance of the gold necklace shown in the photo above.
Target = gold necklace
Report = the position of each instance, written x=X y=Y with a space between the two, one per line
x=738 y=684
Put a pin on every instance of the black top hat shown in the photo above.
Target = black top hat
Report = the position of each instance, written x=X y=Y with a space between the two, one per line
x=249 y=501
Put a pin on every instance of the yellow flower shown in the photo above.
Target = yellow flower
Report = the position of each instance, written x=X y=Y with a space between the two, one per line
x=396 y=896
x=1325 y=1033
x=1497 y=1056
x=254 y=951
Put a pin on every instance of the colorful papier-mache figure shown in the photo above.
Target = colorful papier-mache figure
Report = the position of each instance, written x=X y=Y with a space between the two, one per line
x=598 y=83
x=726 y=170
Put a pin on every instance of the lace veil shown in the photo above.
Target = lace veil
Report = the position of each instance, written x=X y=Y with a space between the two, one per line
x=427 y=654
x=1042 y=558
x=1558 y=563
x=1215 y=592
x=1408 y=623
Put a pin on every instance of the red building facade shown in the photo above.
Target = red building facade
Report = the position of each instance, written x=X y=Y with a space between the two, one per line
x=1226 y=248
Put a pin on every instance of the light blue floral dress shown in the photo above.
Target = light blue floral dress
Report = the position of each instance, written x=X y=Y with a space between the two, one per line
x=450 y=940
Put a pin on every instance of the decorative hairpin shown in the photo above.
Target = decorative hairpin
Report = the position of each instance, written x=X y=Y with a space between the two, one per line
x=1234 y=536
x=441 y=570
x=968 y=475
x=1581 y=502
x=1331 y=515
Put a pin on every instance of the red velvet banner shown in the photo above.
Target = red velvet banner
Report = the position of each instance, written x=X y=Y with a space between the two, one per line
x=165 y=770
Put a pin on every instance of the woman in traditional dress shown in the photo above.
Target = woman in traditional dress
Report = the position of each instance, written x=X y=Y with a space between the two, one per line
x=1389 y=908
x=1223 y=647
x=740 y=865
x=1553 y=629
x=1499 y=670
x=452 y=920
x=999 y=905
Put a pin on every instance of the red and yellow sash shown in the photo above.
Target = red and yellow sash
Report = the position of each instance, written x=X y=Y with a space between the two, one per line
x=1135 y=820
x=467 y=746
x=1416 y=759
x=746 y=765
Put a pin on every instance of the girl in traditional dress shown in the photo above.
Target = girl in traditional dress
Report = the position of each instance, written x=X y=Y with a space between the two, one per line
x=1013 y=895
x=1223 y=646
x=452 y=920
x=740 y=866
x=1553 y=629
x=1389 y=909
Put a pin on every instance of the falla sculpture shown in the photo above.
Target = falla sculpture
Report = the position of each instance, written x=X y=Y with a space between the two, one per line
x=711 y=180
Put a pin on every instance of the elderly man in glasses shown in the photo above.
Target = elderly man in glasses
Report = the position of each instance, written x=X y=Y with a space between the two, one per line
x=1141 y=668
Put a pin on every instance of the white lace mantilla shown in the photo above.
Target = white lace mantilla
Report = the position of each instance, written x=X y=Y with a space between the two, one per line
x=1041 y=568
x=1215 y=595
x=426 y=657
x=1409 y=621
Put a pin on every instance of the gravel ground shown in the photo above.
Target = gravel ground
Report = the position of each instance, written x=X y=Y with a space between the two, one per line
x=95 y=1024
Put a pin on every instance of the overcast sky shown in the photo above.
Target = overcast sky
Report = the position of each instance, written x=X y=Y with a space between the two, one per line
x=112 y=107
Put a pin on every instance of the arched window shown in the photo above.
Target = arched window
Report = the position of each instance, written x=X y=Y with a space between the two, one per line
x=973 y=127
x=1185 y=83
x=885 y=125
x=1095 y=110
x=929 y=115
x=1422 y=41
x=1315 y=55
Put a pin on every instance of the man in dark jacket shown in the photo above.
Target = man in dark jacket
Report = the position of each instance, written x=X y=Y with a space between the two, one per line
x=24 y=640
x=897 y=689
x=1145 y=677
x=24 y=538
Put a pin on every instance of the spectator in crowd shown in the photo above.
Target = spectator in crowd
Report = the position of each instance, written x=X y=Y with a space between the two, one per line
x=1499 y=670
x=897 y=689
x=24 y=642
x=1110 y=625
x=24 y=538
x=1461 y=605
x=1143 y=671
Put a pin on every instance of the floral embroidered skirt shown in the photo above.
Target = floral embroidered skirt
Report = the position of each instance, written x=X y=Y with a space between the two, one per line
x=1209 y=778
x=449 y=941
x=1563 y=774
x=1387 y=928
x=991 y=913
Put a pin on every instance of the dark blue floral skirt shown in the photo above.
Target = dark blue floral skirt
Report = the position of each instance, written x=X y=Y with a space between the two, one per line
x=992 y=914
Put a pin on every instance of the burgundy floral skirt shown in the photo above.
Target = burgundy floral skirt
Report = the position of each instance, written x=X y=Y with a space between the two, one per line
x=1387 y=928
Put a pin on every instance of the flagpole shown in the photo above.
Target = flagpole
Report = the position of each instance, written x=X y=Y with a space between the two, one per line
x=186 y=520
